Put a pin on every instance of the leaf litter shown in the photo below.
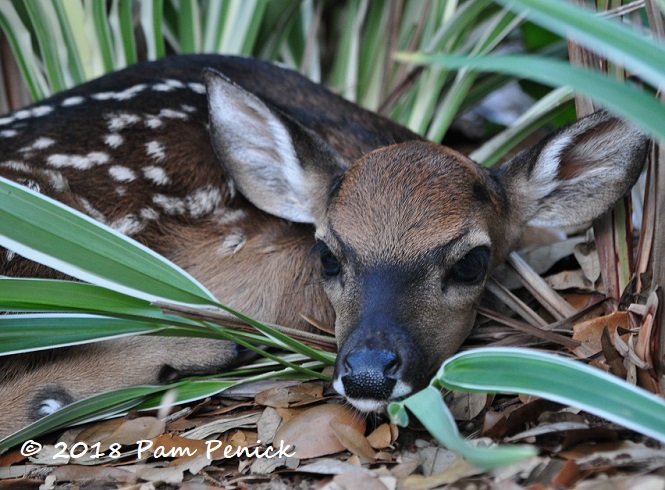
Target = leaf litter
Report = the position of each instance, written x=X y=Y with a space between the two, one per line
x=326 y=444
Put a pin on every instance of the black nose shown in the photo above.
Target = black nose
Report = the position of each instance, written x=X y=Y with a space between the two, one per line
x=370 y=374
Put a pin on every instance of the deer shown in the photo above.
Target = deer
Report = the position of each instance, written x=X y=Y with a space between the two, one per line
x=284 y=200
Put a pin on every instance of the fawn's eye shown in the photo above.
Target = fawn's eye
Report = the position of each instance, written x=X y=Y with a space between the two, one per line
x=472 y=268
x=330 y=265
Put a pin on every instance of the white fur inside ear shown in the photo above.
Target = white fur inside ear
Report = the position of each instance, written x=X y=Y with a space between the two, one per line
x=264 y=163
x=546 y=169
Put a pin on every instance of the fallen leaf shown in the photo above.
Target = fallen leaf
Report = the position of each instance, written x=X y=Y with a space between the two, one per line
x=291 y=396
x=383 y=436
x=353 y=481
x=268 y=424
x=353 y=440
x=310 y=433
x=329 y=466
x=587 y=257
x=570 y=280
x=457 y=469
x=466 y=406
x=134 y=430
x=77 y=473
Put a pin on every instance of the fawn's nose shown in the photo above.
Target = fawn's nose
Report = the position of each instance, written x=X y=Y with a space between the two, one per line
x=370 y=373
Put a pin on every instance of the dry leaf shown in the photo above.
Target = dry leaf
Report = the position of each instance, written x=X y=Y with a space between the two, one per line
x=382 y=436
x=310 y=434
x=570 y=280
x=134 y=430
x=353 y=440
x=457 y=469
x=590 y=332
x=354 y=481
x=77 y=473
x=466 y=406
x=268 y=424
x=329 y=466
x=291 y=396
x=587 y=257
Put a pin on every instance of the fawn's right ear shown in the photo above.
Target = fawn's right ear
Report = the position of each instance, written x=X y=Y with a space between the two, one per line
x=576 y=174
x=279 y=165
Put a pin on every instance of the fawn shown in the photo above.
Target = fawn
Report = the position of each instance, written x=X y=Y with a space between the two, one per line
x=237 y=169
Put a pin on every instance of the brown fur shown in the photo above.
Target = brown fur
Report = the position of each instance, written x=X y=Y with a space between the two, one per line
x=234 y=189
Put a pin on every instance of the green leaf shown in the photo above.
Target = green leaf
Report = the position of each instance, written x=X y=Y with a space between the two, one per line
x=28 y=333
x=605 y=36
x=95 y=407
x=515 y=370
x=32 y=225
x=623 y=99
x=428 y=407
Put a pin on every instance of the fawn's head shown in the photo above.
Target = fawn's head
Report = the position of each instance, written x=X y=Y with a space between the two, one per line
x=408 y=234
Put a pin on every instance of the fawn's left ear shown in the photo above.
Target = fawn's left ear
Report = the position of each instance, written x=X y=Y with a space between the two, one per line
x=282 y=167
x=576 y=174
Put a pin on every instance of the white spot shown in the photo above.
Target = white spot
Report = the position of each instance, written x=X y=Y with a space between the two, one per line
x=126 y=94
x=203 y=201
x=173 y=114
x=49 y=406
x=41 y=110
x=121 y=120
x=156 y=174
x=188 y=108
x=232 y=243
x=127 y=225
x=8 y=133
x=199 y=88
x=174 y=83
x=57 y=180
x=121 y=191
x=42 y=143
x=90 y=210
x=149 y=214
x=10 y=256
x=6 y=120
x=71 y=101
x=162 y=87
x=155 y=149
x=24 y=114
x=39 y=144
x=170 y=205
x=232 y=217
x=103 y=96
x=114 y=140
x=80 y=162
x=16 y=166
x=153 y=122
x=122 y=174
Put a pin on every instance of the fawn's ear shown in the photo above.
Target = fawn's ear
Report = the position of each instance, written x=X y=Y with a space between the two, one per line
x=575 y=174
x=280 y=166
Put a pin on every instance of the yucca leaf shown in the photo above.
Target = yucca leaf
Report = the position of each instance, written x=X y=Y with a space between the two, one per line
x=546 y=375
x=32 y=225
x=623 y=99
x=607 y=37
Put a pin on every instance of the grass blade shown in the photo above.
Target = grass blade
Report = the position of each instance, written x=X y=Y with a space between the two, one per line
x=32 y=224
x=28 y=333
x=515 y=370
x=605 y=36
x=626 y=100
